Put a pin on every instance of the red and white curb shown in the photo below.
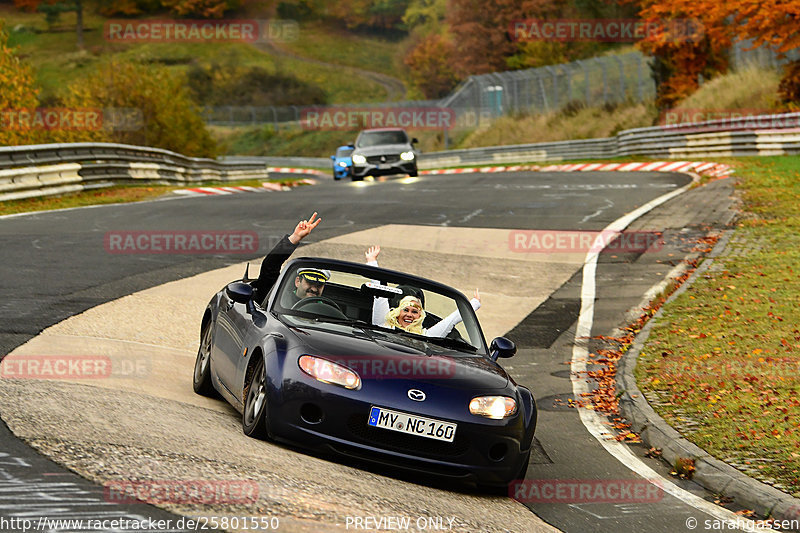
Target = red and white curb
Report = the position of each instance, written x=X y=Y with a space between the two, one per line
x=701 y=167
x=716 y=170
x=291 y=170
x=212 y=191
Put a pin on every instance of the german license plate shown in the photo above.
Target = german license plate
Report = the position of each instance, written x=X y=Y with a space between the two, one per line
x=380 y=417
x=384 y=166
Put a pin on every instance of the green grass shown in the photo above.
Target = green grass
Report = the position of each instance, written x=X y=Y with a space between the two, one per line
x=58 y=62
x=333 y=45
x=115 y=195
x=723 y=364
x=111 y=195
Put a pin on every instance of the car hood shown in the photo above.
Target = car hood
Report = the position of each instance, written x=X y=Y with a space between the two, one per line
x=383 y=149
x=375 y=357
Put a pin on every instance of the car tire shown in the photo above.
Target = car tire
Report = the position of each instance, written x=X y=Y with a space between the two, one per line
x=202 y=366
x=357 y=178
x=413 y=174
x=255 y=422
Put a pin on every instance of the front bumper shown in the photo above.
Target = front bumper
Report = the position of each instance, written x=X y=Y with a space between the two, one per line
x=342 y=172
x=490 y=453
x=385 y=169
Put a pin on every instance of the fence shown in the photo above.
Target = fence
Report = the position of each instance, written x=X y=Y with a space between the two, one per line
x=28 y=171
x=479 y=99
x=596 y=81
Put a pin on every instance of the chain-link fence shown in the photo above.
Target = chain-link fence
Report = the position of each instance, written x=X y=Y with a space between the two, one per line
x=478 y=100
x=592 y=82
x=743 y=55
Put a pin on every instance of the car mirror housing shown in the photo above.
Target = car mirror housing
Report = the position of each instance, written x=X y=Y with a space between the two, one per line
x=333 y=157
x=239 y=292
x=414 y=140
x=502 y=347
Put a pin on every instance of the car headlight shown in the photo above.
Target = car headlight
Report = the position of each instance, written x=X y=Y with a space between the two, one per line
x=342 y=164
x=407 y=156
x=359 y=159
x=496 y=407
x=329 y=372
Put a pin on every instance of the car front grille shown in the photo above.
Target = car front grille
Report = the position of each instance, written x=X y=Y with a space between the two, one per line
x=393 y=440
x=379 y=159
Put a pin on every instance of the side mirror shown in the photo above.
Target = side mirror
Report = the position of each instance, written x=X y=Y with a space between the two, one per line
x=239 y=292
x=353 y=146
x=502 y=347
x=414 y=140
x=333 y=157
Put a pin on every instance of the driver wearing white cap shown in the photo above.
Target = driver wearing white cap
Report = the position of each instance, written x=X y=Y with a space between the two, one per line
x=309 y=282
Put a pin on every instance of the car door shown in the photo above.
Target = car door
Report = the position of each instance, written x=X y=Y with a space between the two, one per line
x=232 y=325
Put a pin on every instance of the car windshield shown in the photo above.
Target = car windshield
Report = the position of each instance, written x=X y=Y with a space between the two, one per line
x=344 y=152
x=360 y=297
x=376 y=138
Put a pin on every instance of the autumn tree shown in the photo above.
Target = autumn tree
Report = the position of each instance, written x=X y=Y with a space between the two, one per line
x=381 y=14
x=211 y=9
x=480 y=30
x=679 y=63
x=17 y=93
x=52 y=8
x=431 y=66
x=162 y=113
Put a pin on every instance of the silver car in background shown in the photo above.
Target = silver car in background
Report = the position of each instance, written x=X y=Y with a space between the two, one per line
x=384 y=151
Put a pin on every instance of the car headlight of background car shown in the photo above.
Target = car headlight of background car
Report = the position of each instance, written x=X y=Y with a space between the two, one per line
x=329 y=372
x=359 y=159
x=495 y=407
x=342 y=164
x=407 y=156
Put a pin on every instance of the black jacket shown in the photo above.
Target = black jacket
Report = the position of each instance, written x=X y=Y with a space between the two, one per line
x=271 y=268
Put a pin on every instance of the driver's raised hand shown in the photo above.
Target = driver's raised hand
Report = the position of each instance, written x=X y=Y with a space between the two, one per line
x=303 y=228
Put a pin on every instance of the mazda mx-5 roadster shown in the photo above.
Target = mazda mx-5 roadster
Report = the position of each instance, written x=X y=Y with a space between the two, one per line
x=327 y=372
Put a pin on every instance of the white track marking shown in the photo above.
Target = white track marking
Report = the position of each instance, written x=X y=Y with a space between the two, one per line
x=593 y=422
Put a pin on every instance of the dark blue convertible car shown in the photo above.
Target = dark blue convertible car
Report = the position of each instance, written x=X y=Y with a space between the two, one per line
x=325 y=372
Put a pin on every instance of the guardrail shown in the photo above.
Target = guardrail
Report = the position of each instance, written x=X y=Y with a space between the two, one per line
x=48 y=169
x=744 y=136
x=39 y=170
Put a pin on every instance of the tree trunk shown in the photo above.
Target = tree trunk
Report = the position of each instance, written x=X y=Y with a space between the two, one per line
x=79 y=22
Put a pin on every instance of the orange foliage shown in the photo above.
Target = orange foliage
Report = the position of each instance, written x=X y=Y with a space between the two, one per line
x=431 y=64
x=17 y=93
x=767 y=22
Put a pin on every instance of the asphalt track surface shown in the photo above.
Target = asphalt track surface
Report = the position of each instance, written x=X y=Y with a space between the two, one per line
x=55 y=266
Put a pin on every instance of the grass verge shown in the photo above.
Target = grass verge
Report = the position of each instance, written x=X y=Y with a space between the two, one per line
x=114 y=195
x=57 y=61
x=723 y=363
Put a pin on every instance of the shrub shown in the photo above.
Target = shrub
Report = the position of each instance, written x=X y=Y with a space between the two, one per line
x=164 y=114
